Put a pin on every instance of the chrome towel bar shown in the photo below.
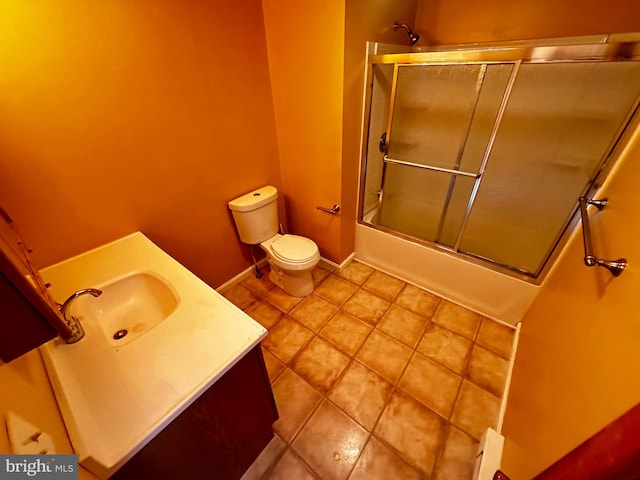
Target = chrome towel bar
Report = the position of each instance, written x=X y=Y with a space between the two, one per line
x=614 y=266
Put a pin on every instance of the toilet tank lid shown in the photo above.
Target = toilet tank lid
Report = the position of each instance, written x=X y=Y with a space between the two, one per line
x=255 y=199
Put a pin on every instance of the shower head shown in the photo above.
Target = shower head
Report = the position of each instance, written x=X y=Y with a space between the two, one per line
x=413 y=37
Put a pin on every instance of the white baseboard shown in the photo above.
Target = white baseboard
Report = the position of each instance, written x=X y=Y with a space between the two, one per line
x=340 y=266
x=250 y=271
x=489 y=455
x=507 y=385
x=240 y=277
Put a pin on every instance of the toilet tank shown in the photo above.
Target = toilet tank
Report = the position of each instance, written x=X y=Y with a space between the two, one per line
x=256 y=215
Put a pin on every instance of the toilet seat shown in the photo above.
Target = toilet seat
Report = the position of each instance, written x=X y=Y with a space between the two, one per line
x=294 y=249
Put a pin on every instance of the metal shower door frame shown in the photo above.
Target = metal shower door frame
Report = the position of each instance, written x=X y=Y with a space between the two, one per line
x=455 y=171
x=486 y=56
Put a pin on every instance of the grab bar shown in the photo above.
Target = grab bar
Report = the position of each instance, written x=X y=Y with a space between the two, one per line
x=614 y=266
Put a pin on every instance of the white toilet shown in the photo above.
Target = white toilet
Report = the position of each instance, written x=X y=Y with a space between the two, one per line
x=291 y=257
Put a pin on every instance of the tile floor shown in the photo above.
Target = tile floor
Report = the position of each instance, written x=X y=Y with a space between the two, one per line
x=374 y=378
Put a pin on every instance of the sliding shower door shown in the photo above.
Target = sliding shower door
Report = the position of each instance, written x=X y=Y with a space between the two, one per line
x=441 y=122
x=559 y=124
x=488 y=158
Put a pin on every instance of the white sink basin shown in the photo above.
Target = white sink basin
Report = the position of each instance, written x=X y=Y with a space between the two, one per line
x=182 y=336
x=128 y=307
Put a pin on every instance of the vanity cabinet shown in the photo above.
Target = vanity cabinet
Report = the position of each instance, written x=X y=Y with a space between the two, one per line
x=219 y=435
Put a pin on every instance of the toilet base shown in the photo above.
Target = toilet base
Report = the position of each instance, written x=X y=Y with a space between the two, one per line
x=296 y=284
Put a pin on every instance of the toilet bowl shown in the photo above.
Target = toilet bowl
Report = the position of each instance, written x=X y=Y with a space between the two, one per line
x=292 y=258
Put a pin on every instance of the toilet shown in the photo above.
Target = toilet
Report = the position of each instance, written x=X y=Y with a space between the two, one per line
x=291 y=257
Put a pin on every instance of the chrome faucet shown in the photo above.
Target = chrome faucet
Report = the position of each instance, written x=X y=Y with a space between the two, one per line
x=77 y=332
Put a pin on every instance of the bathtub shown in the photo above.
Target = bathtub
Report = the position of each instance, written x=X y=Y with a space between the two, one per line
x=485 y=291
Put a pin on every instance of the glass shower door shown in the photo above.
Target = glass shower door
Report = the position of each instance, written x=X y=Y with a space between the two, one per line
x=489 y=158
x=442 y=117
x=560 y=123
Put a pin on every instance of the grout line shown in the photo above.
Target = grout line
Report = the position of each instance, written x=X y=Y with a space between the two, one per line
x=324 y=396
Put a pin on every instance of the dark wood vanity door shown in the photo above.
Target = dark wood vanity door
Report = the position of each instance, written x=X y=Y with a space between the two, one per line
x=23 y=327
x=219 y=435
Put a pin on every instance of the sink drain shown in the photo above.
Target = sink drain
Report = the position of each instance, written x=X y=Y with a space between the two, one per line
x=120 y=334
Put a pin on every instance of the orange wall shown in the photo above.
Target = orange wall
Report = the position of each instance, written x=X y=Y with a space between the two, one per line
x=576 y=367
x=461 y=21
x=316 y=61
x=365 y=21
x=305 y=41
x=122 y=116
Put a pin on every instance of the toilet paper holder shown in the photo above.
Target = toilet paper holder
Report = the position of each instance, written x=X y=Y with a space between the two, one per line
x=333 y=211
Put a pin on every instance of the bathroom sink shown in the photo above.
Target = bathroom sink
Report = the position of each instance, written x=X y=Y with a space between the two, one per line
x=128 y=307
x=116 y=395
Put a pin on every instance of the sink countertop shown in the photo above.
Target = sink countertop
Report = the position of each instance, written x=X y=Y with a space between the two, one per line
x=114 y=400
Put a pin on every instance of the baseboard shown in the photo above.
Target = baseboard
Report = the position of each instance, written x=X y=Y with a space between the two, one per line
x=340 y=266
x=507 y=385
x=489 y=455
x=328 y=264
x=240 y=277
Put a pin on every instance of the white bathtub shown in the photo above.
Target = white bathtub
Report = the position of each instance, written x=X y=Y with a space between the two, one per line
x=487 y=292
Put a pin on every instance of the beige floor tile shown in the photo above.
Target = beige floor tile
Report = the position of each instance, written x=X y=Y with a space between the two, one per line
x=384 y=355
x=356 y=272
x=319 y=274
x=320 y=364
x=261 y=285
x=295 y=400
x=240 y=296
x=265 y=460
x=366 y=306
x=336 y=290
x=403 y=325
x=457 y=461
x=322 y=436
x=274 y=366
x=346 y=332
x=281 y=299
x=378 y=462
x=264 y=313
x=313 y=312
x=457 y=319
x=383 y=285
x=487 y=370
x=286 y=338
x=362 y=394
x=290 y=467
x=445 y=347
x=413 y=430
x=417 y=300
x=496 y=336
x=432 y=385
x=330 y=442
x=475 y=410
